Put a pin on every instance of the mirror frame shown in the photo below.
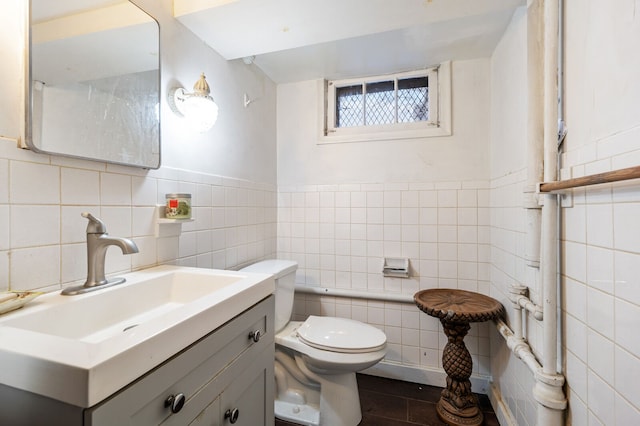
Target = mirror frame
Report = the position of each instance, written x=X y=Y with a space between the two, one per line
x=27 y=141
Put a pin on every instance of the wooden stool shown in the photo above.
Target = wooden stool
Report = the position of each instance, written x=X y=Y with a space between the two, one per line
x=456 y=309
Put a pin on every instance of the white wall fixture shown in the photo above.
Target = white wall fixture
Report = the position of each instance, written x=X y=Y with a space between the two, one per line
x=197 y=107
x=395 y=267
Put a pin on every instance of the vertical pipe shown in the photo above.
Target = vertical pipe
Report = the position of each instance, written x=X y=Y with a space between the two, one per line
x=562 y=130
x=549 y=249
x=548 y=389
x=535 y=126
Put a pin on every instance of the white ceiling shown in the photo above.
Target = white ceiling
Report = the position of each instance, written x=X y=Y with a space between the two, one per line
x=295 y=40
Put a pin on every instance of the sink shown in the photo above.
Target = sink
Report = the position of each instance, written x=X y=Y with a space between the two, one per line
x=81 y=349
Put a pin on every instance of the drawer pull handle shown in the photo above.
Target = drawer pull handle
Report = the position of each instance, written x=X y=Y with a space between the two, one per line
x=176 y=402
x=255 y=336
x=232 y=415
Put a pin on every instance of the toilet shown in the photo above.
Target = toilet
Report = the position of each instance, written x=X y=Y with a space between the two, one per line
x=317 y=359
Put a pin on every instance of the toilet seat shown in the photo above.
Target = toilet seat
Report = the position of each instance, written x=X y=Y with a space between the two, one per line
x=341 y=335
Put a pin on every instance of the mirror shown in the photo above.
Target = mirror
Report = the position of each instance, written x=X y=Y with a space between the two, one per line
x=94 y=89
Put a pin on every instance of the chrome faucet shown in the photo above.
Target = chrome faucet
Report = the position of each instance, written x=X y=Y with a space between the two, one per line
x=98 y=241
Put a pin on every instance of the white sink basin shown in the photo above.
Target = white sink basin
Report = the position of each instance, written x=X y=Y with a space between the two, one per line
x=81 y=349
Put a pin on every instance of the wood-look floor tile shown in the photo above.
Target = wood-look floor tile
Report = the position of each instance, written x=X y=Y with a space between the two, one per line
x=388 y=402
x=399 y=388
x=423 y=413
x=383 y=405
x=368 y=420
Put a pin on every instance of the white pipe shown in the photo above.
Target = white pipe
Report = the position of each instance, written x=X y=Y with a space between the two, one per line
x=548 y=389
x=518 y=346
x=535 y=125
x=356 y=294
x=562 y=131
x=535 y=310
x=549 y=245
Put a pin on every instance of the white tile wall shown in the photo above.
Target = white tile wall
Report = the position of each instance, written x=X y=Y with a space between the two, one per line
x=340 y=234
x=42 y=235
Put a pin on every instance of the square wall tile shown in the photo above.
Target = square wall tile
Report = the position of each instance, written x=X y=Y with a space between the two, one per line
x=576 y=337
x=31 y=183
x=4 y=181
x=73 y=225
x=600 y=225
x=147 y=252
x=575 y=297
x=625 y=413
x=4 y=270
x=34 y=225
x=600 y=269
x=626 y=326
x=600 y=309
x=4 y=227
x=627 y=279
x=117 y=220
x=601 y=356
x=144 y=191
x=627 y=365
x=392 y=199
x=33 y=268
x=80 y=187
x=601 y=399
x=115 y=190
x=73 y=263
x=626 y=231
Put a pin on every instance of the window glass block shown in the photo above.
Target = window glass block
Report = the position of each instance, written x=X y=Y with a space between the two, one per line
x=380 y=103
x=413 y=100
x=349 y=106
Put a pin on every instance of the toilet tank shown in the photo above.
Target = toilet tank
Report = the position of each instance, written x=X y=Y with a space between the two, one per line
x=284 y=272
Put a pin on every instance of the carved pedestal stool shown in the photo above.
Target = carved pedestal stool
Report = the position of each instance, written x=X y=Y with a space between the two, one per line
x=456 y=309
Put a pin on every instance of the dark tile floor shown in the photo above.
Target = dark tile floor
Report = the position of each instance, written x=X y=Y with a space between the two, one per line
x=387 y=402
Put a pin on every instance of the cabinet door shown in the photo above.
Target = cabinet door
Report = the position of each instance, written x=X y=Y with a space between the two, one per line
x=248 y=400
x=210 y=416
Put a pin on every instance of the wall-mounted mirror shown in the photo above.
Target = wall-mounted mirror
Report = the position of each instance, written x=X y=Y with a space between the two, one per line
x=94 y=78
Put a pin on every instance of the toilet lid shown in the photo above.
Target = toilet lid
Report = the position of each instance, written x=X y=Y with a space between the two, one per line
x=341 y=335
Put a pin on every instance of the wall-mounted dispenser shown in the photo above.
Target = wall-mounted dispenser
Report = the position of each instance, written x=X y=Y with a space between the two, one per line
x=396 y=267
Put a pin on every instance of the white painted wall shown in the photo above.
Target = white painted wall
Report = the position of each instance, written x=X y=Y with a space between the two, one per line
x=460 y=157
x=230 y=171
x=343 y=207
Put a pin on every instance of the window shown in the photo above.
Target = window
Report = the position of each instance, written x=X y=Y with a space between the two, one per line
x=405 y=105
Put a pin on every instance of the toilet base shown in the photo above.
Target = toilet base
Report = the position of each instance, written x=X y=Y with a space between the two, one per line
x=310 y=399
x=306 y=414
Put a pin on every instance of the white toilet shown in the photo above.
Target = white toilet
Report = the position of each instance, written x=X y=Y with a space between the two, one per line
x=317 y=360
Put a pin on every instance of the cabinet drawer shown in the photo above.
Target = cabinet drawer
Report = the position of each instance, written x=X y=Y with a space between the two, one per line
x=143 y=402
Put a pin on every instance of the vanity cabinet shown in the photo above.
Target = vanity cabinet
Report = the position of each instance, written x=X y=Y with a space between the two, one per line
x=225 y=378
x=229 y=372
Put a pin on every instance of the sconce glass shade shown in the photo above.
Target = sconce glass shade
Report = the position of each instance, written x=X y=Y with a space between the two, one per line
x=197 y=107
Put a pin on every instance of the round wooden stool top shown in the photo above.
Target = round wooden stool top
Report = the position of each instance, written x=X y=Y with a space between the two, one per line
x=456 y=309
x=461 y=306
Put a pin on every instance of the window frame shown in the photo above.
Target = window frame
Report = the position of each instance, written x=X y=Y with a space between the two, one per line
x=439 y=123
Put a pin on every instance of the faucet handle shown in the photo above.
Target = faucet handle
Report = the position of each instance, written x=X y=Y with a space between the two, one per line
x=95 y=225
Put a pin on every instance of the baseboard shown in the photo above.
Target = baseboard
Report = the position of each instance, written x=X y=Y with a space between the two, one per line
x=500 y=407
x=424 y=375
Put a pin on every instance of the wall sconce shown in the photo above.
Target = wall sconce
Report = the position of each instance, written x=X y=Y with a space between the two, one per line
x=197 y=107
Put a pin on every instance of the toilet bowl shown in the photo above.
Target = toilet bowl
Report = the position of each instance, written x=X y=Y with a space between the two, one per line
x=316 y=360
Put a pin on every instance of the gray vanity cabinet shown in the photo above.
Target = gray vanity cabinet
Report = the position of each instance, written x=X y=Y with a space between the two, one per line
x=225 y=378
